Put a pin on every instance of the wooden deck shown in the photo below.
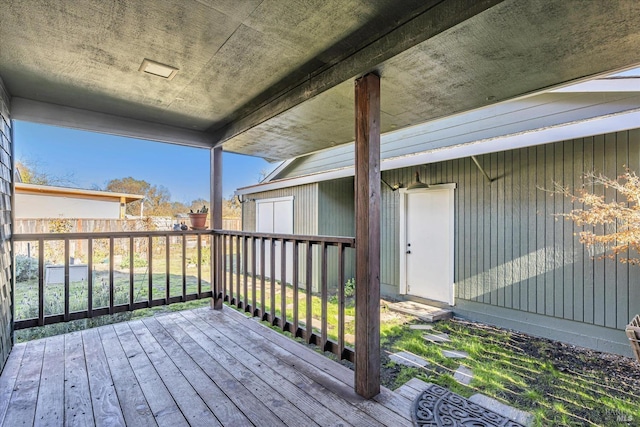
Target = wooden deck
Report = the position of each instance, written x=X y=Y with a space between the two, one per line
x=198 y=367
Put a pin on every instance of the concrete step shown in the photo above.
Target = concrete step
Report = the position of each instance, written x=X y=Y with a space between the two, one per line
x=408 y=359
x=463 y=375
x=503 y=409
x=421 y=327
x=455 y=354
x=423 y=312
x=437 y=338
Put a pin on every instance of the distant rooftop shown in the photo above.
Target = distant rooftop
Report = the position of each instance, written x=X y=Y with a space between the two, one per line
x=23 y=188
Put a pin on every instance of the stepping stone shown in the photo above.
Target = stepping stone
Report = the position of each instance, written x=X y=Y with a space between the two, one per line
x=408 y=359
x=436 y=338
x=463 y=375
x=437 y=406
x=455 y=354
x=421 y=327
x=505 y=410
x=421 y=311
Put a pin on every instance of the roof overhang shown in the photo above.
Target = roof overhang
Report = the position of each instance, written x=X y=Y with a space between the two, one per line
x=566 y=131
x=274 y=78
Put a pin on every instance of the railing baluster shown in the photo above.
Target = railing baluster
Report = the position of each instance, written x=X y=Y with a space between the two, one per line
x=215 y=252
x=150 y=264
x=131 y=274
x=309 y=313
x=295 y=284
x=90 y=278
x=340 y=300
x=66 y=280
x=263 y=311
x=283 y=284
x=184 y=267
x=40 y=282
x=229 y=256
x=245 y=296
x=167 y=270
x=225 y=295
x=111 y=284
x=254 y=274
x=199 y=250
x=324 y=297
x=239 y=297
x=272 y=273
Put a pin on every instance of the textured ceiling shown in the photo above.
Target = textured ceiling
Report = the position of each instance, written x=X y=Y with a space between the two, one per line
x=274 y=78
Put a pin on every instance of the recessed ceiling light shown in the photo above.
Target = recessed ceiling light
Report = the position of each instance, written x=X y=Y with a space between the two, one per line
x=158 y=69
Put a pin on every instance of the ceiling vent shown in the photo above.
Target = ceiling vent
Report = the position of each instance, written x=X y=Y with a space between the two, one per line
x=157 y=69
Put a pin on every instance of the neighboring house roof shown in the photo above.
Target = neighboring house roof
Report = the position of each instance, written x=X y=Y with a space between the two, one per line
x=590 y=108
x=48 y=190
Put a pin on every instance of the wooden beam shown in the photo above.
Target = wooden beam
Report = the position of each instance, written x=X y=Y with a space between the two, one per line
x=216 y=224
x=367 y=199
x=77 y=118
x=436 y=17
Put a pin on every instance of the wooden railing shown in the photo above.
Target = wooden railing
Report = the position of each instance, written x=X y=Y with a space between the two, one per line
x=146 y=276
x=296 y=283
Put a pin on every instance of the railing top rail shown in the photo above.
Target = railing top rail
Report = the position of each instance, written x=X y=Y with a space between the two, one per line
x=347 y=241
x=20 y=237
x=332 y=240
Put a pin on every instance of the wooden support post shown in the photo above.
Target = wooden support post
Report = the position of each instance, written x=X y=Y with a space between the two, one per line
x=216 y=224
x=367 y=199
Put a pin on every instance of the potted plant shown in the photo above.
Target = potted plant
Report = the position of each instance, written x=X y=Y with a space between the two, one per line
x=198 y=218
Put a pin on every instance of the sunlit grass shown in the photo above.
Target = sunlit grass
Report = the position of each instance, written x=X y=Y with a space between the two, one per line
x=504 y=371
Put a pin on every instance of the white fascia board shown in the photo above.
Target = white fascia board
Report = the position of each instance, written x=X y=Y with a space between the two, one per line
x=579 y=129
x=596 y=126
x=76 y=118
x=615 y=84
x=282 y=166
x=294 y=182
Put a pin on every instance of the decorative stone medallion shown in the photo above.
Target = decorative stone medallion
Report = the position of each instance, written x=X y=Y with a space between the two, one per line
x=437 y=406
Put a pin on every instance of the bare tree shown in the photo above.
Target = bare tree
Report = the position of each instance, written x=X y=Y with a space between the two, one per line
x=618 y=220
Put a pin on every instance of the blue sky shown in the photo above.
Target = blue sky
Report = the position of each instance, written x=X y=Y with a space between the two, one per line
x=92 y=159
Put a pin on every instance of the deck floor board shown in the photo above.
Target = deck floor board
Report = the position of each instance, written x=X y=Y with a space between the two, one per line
x=198 y=367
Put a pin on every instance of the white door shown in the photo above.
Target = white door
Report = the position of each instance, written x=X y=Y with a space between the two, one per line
x=275 y=216
x=428 y=243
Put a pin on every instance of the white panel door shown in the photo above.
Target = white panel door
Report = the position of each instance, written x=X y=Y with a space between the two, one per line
x=275 y=216
x=264 y=217
x=429 y=244
x=283 y=217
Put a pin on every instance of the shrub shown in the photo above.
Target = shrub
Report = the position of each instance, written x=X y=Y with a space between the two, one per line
x=350 y=288
x=138 y=261
x=26 y=267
